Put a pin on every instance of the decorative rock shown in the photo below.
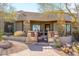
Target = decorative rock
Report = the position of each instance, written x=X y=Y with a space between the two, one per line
x=5 y=44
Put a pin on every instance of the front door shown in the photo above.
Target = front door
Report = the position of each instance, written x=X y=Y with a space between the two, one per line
x=47 y=27
x=43 y=35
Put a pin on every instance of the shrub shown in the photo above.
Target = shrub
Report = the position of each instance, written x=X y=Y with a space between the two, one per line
x=75 y=35
x=19 y=33
x=1 y=34
x=57 y=42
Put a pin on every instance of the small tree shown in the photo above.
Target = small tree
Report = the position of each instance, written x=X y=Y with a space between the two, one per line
x=7 y=13
x=75 y=22
x=61 y=23
x=60 y=18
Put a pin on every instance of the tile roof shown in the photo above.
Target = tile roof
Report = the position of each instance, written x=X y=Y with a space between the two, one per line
x=21 y=15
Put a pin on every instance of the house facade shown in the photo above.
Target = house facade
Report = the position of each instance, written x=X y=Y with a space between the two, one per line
x=38 y=22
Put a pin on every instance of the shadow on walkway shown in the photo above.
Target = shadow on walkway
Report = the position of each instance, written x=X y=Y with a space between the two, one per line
x=38 y=46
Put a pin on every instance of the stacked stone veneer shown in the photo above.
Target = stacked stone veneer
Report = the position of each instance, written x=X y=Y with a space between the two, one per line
x=50 y=36
x=31 y=36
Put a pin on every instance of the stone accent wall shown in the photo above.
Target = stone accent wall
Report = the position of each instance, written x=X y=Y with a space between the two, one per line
x=50 y=36
x=31 y=36
x=26 y=25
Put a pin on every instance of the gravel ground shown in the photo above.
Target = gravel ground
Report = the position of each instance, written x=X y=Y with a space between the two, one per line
x=17 y=47
x=36 y=49
x=21 y=49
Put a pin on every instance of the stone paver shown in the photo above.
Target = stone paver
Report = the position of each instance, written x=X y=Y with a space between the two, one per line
x=32 y=53
x=39 y=51
x=45 y=52
x=36 y=50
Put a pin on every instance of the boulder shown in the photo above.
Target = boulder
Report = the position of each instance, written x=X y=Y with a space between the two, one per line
x=5 y=44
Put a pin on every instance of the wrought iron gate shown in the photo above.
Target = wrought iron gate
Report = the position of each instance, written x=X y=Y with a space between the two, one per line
x=42 y=37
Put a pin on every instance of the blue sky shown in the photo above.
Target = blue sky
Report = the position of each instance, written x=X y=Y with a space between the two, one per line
x=33 y=7
x=29 y=7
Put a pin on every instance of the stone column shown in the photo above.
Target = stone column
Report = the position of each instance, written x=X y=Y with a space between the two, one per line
x=26 y=25
x=36 y=34
x=30 y=38
x=50 y=38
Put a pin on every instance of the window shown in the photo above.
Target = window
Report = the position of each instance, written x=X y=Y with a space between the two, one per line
x=8 y=27
x=36 y=27
x=67 y=29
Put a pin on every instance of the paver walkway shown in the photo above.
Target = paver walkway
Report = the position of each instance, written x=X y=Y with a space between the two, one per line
x=37 y=50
